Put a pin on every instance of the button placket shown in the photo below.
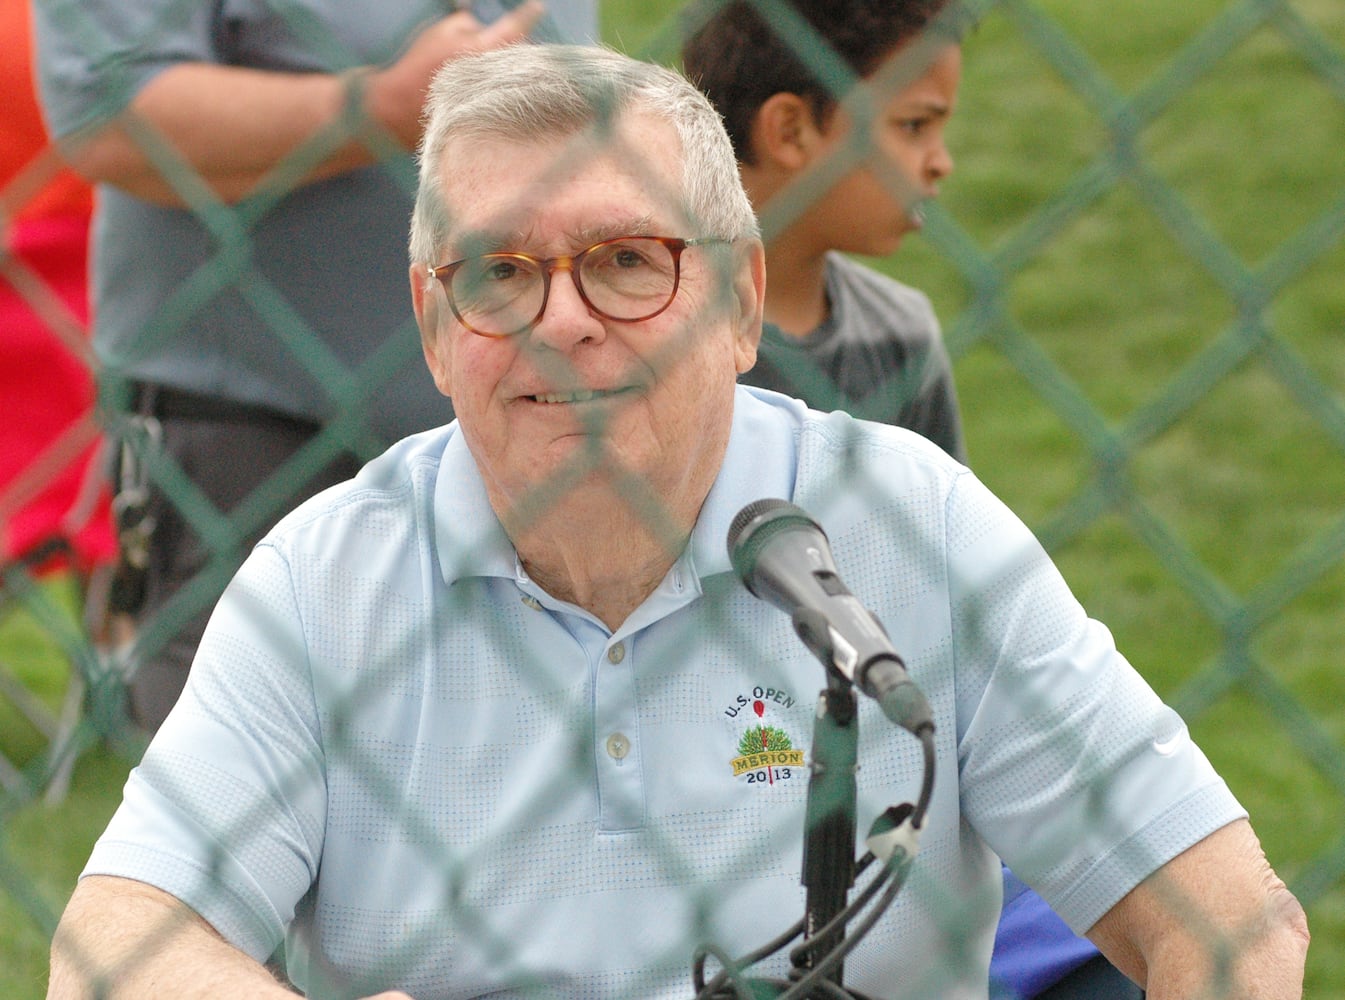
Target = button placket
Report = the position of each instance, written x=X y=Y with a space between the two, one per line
x=617 y=744
x=620 y=781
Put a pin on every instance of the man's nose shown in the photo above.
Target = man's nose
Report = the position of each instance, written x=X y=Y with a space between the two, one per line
x=566 y=318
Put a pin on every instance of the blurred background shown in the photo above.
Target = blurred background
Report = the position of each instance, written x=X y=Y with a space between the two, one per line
x=1139 y=264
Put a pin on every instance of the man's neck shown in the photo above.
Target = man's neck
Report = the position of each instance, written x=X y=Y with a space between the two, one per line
x=608 y=567
x=606 y=541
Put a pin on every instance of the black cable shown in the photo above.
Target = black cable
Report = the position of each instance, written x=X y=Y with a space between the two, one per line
x=812 y=985
x=805 y=948
x=733 y=969
x=731 y=973
x=803 y=988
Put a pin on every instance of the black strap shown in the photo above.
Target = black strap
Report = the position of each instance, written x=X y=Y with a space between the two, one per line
x=167 y=403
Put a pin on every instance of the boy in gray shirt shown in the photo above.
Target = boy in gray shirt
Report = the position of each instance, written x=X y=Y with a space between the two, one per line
x=839 y=334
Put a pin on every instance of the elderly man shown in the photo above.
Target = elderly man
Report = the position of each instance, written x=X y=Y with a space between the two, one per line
x=470 y=724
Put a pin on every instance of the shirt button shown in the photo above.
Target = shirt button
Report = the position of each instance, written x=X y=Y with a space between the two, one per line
x=532 y=602
x=618 y=746
x=617 y=653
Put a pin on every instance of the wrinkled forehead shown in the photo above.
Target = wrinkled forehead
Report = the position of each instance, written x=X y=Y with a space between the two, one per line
x=622 y=178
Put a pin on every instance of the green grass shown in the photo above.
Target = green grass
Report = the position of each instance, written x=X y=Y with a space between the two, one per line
x=43 y=850
x=42 y=847
x=1130 y=300
x=1185 y=322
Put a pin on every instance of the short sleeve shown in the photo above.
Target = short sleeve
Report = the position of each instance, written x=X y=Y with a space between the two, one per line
x=1071 y=767
x=93 y=58
x=227 y=809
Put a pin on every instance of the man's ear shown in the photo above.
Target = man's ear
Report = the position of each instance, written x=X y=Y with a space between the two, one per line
x=749 y=288
x=784 y=133
x=425 y=301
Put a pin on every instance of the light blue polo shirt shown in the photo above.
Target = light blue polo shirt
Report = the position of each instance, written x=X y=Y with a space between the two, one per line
x=433 y=776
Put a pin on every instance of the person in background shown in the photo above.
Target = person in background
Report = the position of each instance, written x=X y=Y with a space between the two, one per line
x=835 y=173
x=50 y=500
x=254 y=172
x=466 y=726
x=845 y=168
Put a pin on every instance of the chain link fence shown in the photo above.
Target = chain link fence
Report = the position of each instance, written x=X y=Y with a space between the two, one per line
x=1138 y=268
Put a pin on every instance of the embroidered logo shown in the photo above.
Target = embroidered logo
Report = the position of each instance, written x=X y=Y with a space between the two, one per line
x=766 y=753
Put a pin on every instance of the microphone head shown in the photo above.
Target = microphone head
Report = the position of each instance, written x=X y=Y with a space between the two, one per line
x=753 y=528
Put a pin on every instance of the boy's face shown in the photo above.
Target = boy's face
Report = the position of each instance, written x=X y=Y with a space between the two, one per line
x=870 y=208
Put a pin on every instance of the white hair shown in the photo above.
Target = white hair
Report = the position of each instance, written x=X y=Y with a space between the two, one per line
x=532 y=92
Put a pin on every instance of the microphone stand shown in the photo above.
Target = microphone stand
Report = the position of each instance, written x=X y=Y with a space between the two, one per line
x=829 y=830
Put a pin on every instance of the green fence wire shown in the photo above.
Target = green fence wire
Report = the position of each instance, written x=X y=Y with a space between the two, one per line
x=1138 y=265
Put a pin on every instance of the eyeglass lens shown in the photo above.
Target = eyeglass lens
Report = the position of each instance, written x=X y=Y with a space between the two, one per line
x=626 y=279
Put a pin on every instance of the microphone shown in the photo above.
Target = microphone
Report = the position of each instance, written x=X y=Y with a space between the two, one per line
x=783 y=557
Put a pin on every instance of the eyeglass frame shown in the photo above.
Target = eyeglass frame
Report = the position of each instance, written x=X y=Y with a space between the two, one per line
x=443 y=273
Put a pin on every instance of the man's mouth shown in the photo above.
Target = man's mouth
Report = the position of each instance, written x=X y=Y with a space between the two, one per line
x=578 y=395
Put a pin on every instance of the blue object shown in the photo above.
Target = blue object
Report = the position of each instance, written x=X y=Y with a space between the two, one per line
x=1034 y=949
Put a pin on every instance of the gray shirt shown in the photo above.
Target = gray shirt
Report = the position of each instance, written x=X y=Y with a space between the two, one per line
x=878 y=355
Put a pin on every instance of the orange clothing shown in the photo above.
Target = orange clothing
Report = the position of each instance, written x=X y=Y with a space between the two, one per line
x=45 y=187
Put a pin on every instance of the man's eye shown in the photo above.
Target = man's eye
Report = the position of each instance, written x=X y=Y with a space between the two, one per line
x=499 y=270
x=627 y=258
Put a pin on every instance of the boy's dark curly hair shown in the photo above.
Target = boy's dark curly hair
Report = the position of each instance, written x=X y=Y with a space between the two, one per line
x=745 y=52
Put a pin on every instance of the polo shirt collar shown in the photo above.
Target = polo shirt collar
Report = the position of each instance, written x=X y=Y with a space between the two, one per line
x=761 y=461
x=469 y=538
